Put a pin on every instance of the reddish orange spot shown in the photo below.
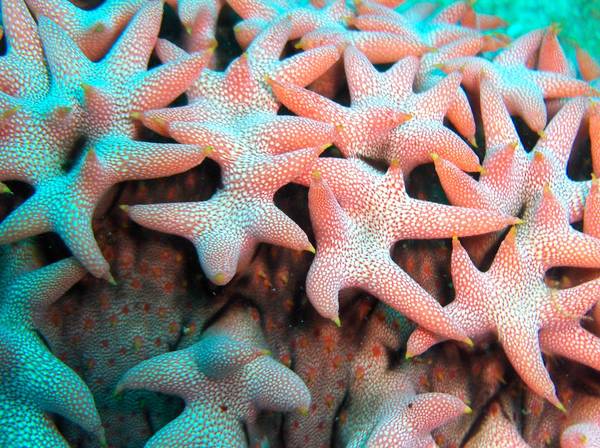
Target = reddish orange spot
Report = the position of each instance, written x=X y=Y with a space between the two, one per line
x=359 y=373
x=122 y=351
x=135 y=283
x=104 y=343
x=288 y=305
x=125 y=310
x=254 y=314
x=329 y=401
x=169 y=287
x=146 y=307
x=377 y=351
x=157 y=342
x=286 y=360
x=173 y=328
x=162 y=311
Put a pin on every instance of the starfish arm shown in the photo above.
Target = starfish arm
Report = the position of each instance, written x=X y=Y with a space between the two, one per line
x=308 y=104
x=131 y=52
x=283 y=133
x=393 y=286
x=450 y=14
x=269 y=44
x=29 y=219
x=575 y=196
x=223 y=145
x=31 y=293
x=123 y=159
x=460 y=188
x=66 y=61
x=497 y=124
x=525 y=99
x=240 y=85
x=247 y=30
x=55 y=388
x=588 y=67
x=520 y=51
x=551 y=57
x=326 y=274
x=159 y=120
x=401 y=76
x=252 y=8
x=570 y=303
x=556 y=85
x=431 y=220
x=274 y=387
x=432 y=410
x=24 y=49
x=384 y=48
x=594 y=130
x=414 y=142
x=219 y=355
x=275 y=227
x=459 y=113
x=167 y=51
x=591 y=216
x=387 y=24
x=520 y=341
x=560 y=133
x=304 y=68
x=572 y=342
x=162 y=85
x=173 y=373
x=576 y=249
x=363 y=78
x=434 y=103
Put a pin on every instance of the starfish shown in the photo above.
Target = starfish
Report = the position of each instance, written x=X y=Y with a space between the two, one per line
x=225 y=379
x=582 y=428
x=357 y=218
x=244 y=88
x=304 y=16
x=523 y=89
x=113 y=91
x=93 y=31
x=35 y=382
x=226 y=228
x=385 y=120
x=512 y=178
x=512 y=299
x=387 y=407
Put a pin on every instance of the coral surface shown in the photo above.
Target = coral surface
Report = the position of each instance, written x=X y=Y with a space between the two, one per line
x=303 y=223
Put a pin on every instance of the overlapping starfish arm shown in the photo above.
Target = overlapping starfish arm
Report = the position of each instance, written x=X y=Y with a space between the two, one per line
x=408 y=421
x=357 y=126
x=199 y=20
x=551 y=56
x=95 y=30
x=22 y=70
x=573 y=342
x=46 y=385
x=304 y=17
x=253 y=382
x=522 y=88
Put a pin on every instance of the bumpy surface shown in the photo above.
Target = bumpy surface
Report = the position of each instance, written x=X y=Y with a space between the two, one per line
x=247 y=223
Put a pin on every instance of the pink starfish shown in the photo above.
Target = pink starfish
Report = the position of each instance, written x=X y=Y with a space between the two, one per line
x=358 y=217
x=225 y=379
x=375 y=125
x=34 y=382
x=235 y=114
x=523 y=89
x=94 y=31
x=513 y=300
x=112 y=91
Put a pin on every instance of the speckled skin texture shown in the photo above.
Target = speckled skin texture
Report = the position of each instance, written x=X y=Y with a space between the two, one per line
x=227 y=224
